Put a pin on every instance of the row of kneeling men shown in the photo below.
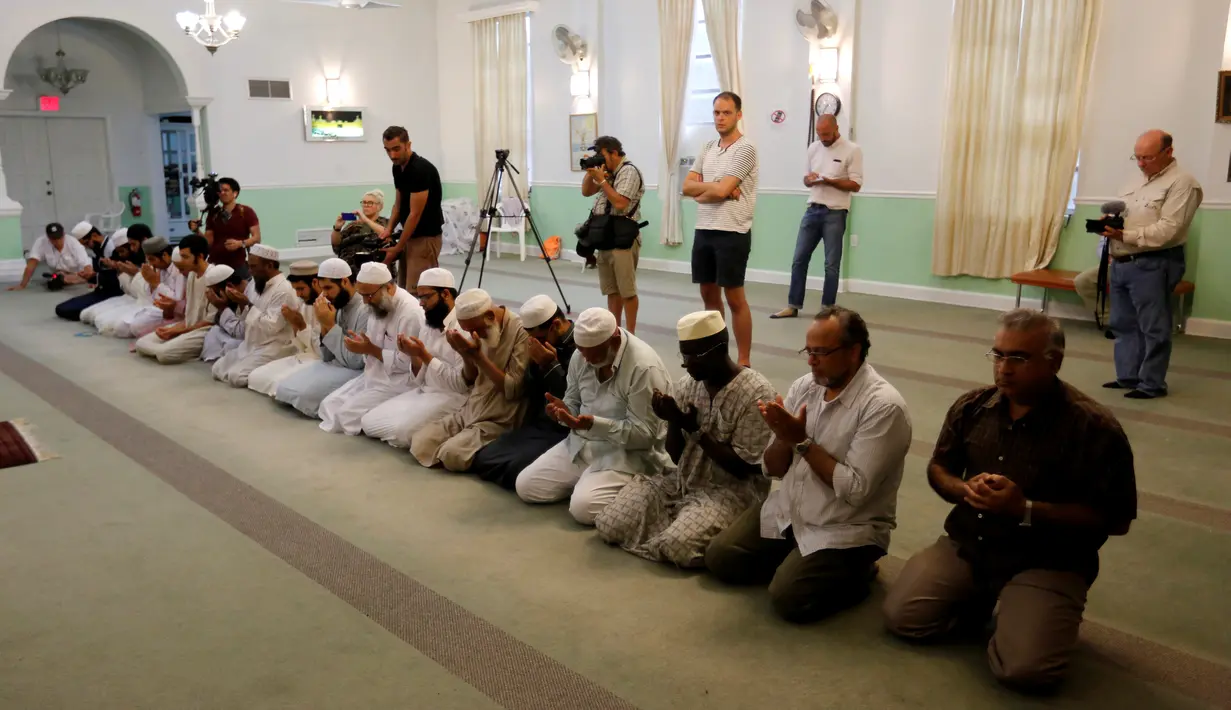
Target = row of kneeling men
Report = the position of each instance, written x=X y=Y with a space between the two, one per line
x=1039 y=475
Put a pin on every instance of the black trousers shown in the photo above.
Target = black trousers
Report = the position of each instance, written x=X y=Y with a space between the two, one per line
x=72 y=308
x=502 y=460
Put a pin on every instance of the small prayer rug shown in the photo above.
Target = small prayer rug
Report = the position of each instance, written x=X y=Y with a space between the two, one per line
x=18 y=446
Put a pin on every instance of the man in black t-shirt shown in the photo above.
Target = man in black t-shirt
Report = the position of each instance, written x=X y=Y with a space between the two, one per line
x=416 y=211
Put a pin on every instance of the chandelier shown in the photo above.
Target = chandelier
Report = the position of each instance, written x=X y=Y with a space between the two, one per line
x=60 y=76
x=210 y=30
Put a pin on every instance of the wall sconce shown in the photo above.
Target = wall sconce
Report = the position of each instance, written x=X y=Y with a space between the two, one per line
x=824 y=67
x=579 y=84
x=333 y=91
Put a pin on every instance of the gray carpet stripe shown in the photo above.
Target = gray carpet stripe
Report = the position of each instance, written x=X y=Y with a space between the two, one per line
x=512 y=673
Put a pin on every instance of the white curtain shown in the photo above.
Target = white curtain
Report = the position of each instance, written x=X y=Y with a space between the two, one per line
x=1017 y=79
x=722 y=28
x=500 y=76
x=675 y=25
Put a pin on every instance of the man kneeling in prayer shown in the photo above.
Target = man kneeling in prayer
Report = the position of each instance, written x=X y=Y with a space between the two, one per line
x=337 y=313
x=551 y=349
x=716 y=435
x=307 y=332
x=494 y=364
x=267 y=334
x=386 y=371
x=434 y=389
x=615 y=434
x=227 y=332
x=182 y=341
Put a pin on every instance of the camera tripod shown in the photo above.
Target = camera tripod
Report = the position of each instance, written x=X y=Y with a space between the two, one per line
x=488 y=211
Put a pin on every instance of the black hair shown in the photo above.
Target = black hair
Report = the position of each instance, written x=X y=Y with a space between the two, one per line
x=195 y=243
x=733 y=97
x=140 y=232
x=301 y=278
x=231 y=183
x=609 y=143
x=854 y=329
x=395 y=133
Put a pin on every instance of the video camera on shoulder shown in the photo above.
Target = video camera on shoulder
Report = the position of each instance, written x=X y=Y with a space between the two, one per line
x=1113 y=216
x=209 y=188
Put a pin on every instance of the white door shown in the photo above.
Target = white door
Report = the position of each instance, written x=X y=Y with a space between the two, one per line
x=179 y=165
x=80 y=169
x=27 y=172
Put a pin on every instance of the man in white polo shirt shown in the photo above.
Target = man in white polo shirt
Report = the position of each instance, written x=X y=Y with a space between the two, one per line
x=835 y=170
x=724 y=183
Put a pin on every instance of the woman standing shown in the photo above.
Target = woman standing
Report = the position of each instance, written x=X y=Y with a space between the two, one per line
x=357 y=241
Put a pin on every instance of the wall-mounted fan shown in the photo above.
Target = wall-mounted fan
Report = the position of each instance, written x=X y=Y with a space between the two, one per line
x=348 y=4
x=570 y=47
x=817 y=23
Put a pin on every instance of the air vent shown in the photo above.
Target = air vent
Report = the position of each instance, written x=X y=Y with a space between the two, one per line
x=313 y=237
x=269 y=89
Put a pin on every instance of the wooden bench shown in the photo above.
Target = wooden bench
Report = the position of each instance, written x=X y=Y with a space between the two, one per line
x=1062 y=280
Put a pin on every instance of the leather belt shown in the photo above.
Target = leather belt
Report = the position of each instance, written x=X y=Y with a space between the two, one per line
x=1125 y=258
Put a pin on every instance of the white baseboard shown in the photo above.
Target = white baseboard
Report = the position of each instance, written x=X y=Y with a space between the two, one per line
x=11 y=270
x=1209 y=328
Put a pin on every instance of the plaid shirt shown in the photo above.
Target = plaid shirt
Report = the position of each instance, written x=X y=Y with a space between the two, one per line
x=627 y=181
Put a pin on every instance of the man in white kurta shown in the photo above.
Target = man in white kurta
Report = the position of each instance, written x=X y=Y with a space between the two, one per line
x=182 y=341
x=124 y=254
x=386 y=372
x=160 y=288
x=267 y=334
x=227 y=332
x=338 y=311
x=307 y=338
x=433 y=392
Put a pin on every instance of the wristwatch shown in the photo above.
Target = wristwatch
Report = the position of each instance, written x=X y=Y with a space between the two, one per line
x=1025 y=523
x=802 y=447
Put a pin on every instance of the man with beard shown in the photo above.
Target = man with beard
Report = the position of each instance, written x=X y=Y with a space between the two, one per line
x=227 y=332
x=839 y=445
x=160 y=289
x=551 y=350
x=615 y=434
x=715 y=435
x=494 y=365
x=106 y=281
x=182 y=341
x=433 y=391
x=337 y=313
x=127 y=258
x=1039 y=475
x=307 y=332
x=267 y=334
x=386 y=370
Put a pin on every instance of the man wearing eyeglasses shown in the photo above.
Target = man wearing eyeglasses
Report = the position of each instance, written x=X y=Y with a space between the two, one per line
x=1039 y=475
x=839 y=444
x=1147 y=264
x=715 y=435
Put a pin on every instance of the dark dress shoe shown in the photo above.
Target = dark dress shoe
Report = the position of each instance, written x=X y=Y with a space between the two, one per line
x=1109 y=335
x=1138 y=394
x=1115 y=385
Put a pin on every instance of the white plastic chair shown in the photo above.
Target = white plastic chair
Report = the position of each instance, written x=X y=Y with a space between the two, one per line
x=109 y=221
x=511 y=220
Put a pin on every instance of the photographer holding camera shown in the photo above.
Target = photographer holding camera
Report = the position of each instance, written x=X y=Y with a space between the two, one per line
x=231 y=228
x=613 y=227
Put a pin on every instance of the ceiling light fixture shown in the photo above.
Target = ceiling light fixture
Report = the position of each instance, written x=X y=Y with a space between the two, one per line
x=60 y=76
x=210 y=30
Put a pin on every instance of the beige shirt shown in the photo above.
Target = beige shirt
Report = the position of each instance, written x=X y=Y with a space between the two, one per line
x=841 y=161
x=1159 y=211
x=497 y=407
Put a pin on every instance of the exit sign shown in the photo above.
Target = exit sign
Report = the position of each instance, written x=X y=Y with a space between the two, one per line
x=49 y=103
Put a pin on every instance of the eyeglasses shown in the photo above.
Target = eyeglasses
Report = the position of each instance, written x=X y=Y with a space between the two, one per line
x=998 y=358
x=1144 y=158
x=687 y=358
x=367 y=297
x=821 y=352
x=369 y=203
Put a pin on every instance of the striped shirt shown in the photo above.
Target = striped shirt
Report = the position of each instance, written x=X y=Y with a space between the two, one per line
x=626 y=181
x=715 y=163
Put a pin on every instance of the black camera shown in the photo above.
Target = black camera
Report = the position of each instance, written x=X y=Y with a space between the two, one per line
x=502 y=155
x=208 y=186
x=1098 y=226
x=593 y=161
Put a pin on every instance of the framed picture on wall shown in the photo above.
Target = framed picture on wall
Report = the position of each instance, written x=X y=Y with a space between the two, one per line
x=582 y=132
x=1223 y=113
x=327 y=124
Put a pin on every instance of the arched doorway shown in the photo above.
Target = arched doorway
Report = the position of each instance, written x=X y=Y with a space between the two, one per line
x=106 y=141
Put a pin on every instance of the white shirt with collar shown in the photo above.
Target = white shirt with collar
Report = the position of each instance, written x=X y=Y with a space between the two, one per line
x=841 y=161
x=867 y=430
x=71 y=259
x=1160 y=210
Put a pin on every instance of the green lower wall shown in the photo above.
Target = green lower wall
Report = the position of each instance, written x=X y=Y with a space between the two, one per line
x=147 y=206
x=895 y=236
x=10 y=238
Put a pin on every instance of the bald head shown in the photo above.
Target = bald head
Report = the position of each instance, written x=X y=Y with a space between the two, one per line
x=827 y=129
x=1153 y=152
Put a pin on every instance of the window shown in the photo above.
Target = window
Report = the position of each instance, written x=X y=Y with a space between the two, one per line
x=702 y=76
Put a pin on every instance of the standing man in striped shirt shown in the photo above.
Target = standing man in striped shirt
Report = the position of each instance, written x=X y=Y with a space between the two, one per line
x=724 y=183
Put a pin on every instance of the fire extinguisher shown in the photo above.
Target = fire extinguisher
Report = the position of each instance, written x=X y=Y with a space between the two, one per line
x=134 y=202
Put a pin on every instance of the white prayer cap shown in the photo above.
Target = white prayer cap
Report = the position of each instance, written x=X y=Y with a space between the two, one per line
x=216 y=274
x=594 y=326
x=472 y=304
x=264 y=251
x=175 y=254
x=701 y=324
x=437 y=278
x=537 y=311
x=82 y=229
x=375 y=272
x=303 y=268
x=333 y=268
x=121 y=233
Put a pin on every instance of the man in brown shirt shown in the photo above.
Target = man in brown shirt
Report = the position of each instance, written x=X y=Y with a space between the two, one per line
x=231 y=229
x=1040 y=476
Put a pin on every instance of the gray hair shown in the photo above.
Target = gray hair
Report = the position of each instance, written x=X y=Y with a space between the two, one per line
x=377 y=195
x=1027 y=319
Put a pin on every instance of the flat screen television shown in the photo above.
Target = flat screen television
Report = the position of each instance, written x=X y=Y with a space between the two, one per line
x=333 y=123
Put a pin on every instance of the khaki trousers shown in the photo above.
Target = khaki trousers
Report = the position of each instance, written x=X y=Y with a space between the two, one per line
x=420 y=254
x=1086 y=284
x=1038 y=613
